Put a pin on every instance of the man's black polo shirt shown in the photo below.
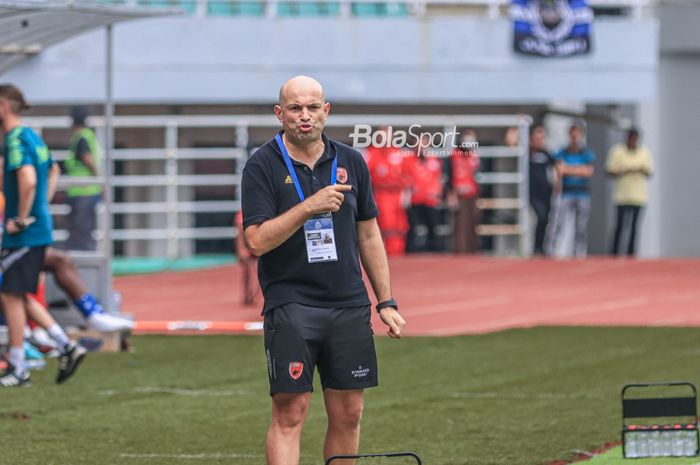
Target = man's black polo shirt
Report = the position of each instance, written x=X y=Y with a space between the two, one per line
x=284 y=272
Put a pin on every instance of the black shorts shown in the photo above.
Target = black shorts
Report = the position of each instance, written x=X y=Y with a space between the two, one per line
x=21 y=268
x=339 y=341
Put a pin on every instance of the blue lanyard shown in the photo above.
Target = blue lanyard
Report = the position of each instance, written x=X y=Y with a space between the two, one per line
x=293 y=173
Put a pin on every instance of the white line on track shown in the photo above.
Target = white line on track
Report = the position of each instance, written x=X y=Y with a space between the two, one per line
x=524 y=396
x=459 y=305
x=532 y=319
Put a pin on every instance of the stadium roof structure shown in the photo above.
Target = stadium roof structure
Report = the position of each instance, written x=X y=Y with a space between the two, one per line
x=28 y=27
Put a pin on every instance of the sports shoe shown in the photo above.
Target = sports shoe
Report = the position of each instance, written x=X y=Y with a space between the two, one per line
x=69 y=361
x=41 y=339
x=11 y=379
x=106 y=323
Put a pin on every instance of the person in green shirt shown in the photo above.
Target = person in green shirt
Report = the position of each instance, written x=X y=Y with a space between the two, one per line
x=84 y=160
x=29 y=181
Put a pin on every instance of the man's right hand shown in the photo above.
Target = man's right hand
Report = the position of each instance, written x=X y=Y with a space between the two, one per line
x=328 y=199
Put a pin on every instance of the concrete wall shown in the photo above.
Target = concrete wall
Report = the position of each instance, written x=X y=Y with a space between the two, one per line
x=404 y=60
x=672 y=123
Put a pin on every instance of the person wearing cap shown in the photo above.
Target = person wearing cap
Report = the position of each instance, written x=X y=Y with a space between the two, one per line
x=298 y=191
x=29 y=181
x=84 y=160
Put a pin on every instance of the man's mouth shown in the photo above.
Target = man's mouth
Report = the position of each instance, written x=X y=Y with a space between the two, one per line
x=306 y=127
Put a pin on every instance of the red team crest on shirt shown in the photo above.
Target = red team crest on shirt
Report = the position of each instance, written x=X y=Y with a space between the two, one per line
x=296 y=369
x=342 y=175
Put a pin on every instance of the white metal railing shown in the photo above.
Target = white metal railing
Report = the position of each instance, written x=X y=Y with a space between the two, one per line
x=344 y=8
x=171 y=180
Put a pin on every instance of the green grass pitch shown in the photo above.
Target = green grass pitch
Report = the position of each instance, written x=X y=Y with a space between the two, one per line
x=520 y=397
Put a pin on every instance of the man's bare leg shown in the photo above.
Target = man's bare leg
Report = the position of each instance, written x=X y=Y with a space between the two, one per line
x=64 y=271
x=344 y=410
x=288 y=414
x=13 y=304
x=66 y=274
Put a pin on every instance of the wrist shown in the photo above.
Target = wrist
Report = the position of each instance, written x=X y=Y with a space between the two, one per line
x=306 y=208
x=388 y=303
x=21 y=223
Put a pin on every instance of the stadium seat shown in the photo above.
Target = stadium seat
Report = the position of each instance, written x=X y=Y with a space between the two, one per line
x=395 y=9
x=308 y=9
x=235 y=8
x=379 y=9
x=190 y=6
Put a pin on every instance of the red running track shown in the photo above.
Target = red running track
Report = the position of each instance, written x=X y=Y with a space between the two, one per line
x=448 y=295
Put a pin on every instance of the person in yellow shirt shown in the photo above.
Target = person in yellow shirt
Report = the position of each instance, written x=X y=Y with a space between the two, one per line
x=631 y=165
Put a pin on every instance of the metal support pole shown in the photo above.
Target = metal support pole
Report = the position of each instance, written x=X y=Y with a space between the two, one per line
x=109 y=171
x=171 y=194
x=524 y=186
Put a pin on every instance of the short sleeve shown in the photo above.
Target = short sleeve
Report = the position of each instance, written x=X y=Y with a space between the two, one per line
x=366 y=207
x=612 y=162
x=590 y=157
x=257 y=194
x=82 y=149
x=649 y=163
x=558 y=156
x=17 y=153
x=550 y=157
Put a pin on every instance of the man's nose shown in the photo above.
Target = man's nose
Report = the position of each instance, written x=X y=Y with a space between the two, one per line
x=305 y=115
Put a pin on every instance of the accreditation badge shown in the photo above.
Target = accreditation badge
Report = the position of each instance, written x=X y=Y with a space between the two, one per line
x=320 y=239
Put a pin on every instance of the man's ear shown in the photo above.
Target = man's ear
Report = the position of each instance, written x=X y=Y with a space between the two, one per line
x=278 y=112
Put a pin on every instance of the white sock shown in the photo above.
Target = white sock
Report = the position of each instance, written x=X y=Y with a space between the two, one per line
x=58 y=335
x=27 y=332
x=17 y=359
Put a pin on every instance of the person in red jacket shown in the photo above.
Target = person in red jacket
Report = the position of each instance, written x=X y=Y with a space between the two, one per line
x=426 y=179
x=389 y=184
x=463 y=193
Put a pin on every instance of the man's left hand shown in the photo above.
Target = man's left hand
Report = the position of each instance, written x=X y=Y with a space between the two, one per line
x=13 y=228
x=392 y=318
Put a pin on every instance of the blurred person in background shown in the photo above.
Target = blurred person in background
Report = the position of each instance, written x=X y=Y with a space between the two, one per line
x=84 y=159
x=463 y=192
x=29 y=181
x=425 y=174
x=541 y=171
x=38 y=316
x=630 y=164
x=512 y=137
x=68 y=278
x=574 y=167
x=389 y=185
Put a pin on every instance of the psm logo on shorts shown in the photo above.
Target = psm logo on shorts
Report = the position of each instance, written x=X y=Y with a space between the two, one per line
x=296 y=369
x=342 y=175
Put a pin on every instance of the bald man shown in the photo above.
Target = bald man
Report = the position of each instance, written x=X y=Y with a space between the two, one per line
x=309 y=214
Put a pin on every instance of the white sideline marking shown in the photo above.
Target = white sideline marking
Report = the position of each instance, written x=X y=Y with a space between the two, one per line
x=189 y=456
x=177 y=391
x=524 y=396
x=254 y=326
